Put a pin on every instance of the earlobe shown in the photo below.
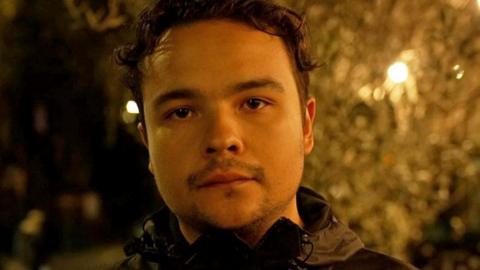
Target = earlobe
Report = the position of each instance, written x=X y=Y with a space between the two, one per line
x=150 y=166
x=310 y=108
x=143 y=134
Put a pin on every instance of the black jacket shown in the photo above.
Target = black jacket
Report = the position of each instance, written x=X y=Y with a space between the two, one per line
x=325 y=243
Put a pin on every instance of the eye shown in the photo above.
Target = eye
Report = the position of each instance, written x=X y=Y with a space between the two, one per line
x=180 y=114
x=254 y=103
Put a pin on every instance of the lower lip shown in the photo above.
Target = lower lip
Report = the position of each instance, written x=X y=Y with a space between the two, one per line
x=227 y=184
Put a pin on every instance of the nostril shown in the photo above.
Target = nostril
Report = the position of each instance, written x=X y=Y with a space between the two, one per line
x=232 y=148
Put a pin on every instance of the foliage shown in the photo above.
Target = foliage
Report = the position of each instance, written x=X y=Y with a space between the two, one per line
x=393 y=157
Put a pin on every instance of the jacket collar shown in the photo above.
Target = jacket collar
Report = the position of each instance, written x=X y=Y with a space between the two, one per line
x=331 y=241
x=323 y=241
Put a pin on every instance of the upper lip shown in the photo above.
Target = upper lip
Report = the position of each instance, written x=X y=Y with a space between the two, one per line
x=223 y=177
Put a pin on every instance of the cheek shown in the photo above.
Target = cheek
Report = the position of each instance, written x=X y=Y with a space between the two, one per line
x=171 y=157
x=279 y=145
x=170 y=152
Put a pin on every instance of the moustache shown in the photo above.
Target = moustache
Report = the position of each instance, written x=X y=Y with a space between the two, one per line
x=254 y=171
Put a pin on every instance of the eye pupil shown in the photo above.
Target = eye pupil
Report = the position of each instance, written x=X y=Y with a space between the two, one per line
x=182 y=113
x=253 y=103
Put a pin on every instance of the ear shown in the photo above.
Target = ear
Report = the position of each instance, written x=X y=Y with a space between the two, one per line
x=143 y=134
x=308 y=139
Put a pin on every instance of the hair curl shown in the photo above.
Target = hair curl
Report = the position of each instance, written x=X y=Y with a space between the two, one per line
x=264 y=15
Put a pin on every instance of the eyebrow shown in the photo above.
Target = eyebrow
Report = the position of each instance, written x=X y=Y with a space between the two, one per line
x=180 y=93
x=258 y=83
x=192 y=93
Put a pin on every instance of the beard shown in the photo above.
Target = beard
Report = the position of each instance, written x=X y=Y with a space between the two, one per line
x=248 y=227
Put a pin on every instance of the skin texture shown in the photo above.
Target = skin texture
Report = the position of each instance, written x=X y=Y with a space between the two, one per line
x=221 y=105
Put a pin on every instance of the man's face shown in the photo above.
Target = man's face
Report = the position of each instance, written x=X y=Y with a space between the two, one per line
x=224 y=125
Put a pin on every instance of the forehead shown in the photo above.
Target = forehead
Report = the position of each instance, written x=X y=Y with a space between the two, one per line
x=215 y=51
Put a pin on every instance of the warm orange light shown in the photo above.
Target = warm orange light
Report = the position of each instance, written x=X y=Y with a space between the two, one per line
x=398 y=72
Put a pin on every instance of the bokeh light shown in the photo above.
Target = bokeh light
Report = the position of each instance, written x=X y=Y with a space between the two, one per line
x=459 y=72
x=398 y=72
x=132 y=107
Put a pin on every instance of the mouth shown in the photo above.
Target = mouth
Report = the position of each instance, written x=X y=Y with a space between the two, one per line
x=224 y=179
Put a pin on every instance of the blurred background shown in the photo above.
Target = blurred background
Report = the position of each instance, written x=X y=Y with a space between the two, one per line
x=397 y=131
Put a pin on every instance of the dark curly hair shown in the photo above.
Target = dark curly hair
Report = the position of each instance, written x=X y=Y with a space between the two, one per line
x=264 y=15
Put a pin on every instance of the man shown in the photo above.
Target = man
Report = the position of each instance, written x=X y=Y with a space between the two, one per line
x=222 y=87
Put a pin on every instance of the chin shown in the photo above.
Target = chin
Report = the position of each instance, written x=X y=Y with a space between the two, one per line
x=231 y=218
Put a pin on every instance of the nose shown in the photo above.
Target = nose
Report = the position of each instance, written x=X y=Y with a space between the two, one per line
x=223 y=136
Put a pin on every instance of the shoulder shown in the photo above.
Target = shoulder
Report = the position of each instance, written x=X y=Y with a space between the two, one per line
x=372 y=260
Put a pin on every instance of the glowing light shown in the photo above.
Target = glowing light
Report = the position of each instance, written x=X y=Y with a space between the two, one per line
x=396 y=95
x=132 y=107
x=458 y=70
x=478 y=3
x=378 y=94
x=365 y=92
x=398 y=72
